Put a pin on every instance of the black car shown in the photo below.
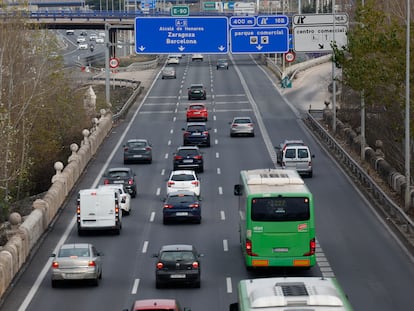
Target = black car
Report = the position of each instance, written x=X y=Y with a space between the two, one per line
x=122 y=175
x=196 y=134
x=197 y=91
x=177 y=264
x=137 y=150
x=181 y=205
x=188 y=157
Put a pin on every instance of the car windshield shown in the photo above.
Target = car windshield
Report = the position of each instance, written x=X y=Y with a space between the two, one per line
x=177 y=255
x=188 y=152
x=196 y=107
x=179 y=199
x=242 y=121
x=196 y=128
x=74 y=252
x=182 y=177
x=195 y=87
x=140 y=144
x=303 y=153
x=290 y=153
x=118 y=174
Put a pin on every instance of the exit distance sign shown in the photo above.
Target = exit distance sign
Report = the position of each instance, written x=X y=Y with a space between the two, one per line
x=180 y=10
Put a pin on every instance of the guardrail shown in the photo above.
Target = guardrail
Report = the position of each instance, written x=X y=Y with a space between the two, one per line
x=394 y=213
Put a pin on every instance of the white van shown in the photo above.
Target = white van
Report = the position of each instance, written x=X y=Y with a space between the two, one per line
x=99 y=209
x=298 y=158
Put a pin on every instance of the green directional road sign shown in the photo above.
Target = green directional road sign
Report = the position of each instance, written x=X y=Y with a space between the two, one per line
x=209 y=5
x=180 y=10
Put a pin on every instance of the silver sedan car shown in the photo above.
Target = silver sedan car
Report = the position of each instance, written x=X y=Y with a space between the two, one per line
x=241 y=126
x=78 y=261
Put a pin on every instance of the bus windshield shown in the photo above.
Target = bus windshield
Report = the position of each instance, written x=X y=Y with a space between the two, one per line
x=280 y=209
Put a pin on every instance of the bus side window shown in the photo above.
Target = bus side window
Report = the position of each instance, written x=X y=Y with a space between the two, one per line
x=237 y=189
x=234 y=306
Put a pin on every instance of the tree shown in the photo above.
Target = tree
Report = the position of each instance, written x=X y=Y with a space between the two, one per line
x=39 y=114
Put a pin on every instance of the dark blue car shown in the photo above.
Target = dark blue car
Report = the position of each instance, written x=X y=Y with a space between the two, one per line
x=181 y=206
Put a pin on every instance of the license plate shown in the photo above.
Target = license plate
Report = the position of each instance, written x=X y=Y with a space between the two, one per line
x=196 y=134
x=118 y=181
x=71 y=276
x=188 y=161
x=137 y=155
x=181 y=214
x=177 y=276
x=196 y=112
x=280 y=250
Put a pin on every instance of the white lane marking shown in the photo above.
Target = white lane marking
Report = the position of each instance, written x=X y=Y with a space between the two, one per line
x=171 y=131
x=145 y=247
x=158 y=111
x=217 y=155
x=158 y=192
x=230 y=95
x=158 y=104
x=220 y=190
x=174 y=119
x=163 y=172
x=222 y=215
x=216 y=141
x=170 y=96
x=225 y=246
x=215 y=130
x=228 y=285
x=218 y=171
x=214 y=118
x=135 y=287
x=235 y=102
x=166 y=156
x=152 y=217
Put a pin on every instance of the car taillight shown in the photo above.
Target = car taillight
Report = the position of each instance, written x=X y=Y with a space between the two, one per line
x=195 y=183
x=205 y=133
x=126 y=149
x=251 y=125
x=55 y=265
x=130 y=181
x=168 y=206
x=160 y=265
x=234 y=125
x=195 y=205
x=78 y=210
x=170 y=183
x=312 y=247
x=195 y=265
x=186 y=134
x=106 y=182
x=198 y=157
x=148 y=149
x=178 y=157
x=91 y=263
x=249 y=248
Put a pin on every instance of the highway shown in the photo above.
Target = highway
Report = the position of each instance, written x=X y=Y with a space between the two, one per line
x=373 y=268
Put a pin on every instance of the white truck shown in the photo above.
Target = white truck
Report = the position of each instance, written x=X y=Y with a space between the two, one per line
x=99 y=209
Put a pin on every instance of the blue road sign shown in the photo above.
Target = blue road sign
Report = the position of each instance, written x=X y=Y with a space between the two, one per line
x=242 y=21
x=259 y=40
x=185 y=35
x=272 y=20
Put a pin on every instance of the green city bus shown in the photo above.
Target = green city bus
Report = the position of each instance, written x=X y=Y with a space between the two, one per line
x=277 y=226
x=290 y=293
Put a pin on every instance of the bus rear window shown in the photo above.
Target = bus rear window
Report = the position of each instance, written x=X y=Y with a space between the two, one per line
x=280 y=209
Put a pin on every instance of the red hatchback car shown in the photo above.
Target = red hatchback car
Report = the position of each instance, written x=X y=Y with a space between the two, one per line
x=197 y=112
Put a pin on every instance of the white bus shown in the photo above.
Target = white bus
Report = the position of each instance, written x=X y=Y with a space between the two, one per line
x=291 y=293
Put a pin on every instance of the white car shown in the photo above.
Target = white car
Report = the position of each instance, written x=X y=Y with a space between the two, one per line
x=83 y=46
x=183 y=180
x=100 y=40
x=173 y=60
x=81 y=39
x=125 y=203
x=197 y=57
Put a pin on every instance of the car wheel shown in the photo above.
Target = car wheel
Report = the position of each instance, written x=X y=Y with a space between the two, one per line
x=162 y=77
x=158 y=284
x=164 y=221
x=201 y=169
x=128 y=212
x=134 y=194
x=117 y=231
x=188 y=120
x=189 y=97
x=208 y=144
x=95 y=282
x=80 y=232
x=198 y=221
x=232 y=135
x=197 y=284
x=310 y=174
x=252 y=134
x=149 y=161
x=125 y=162
x=55 y=283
